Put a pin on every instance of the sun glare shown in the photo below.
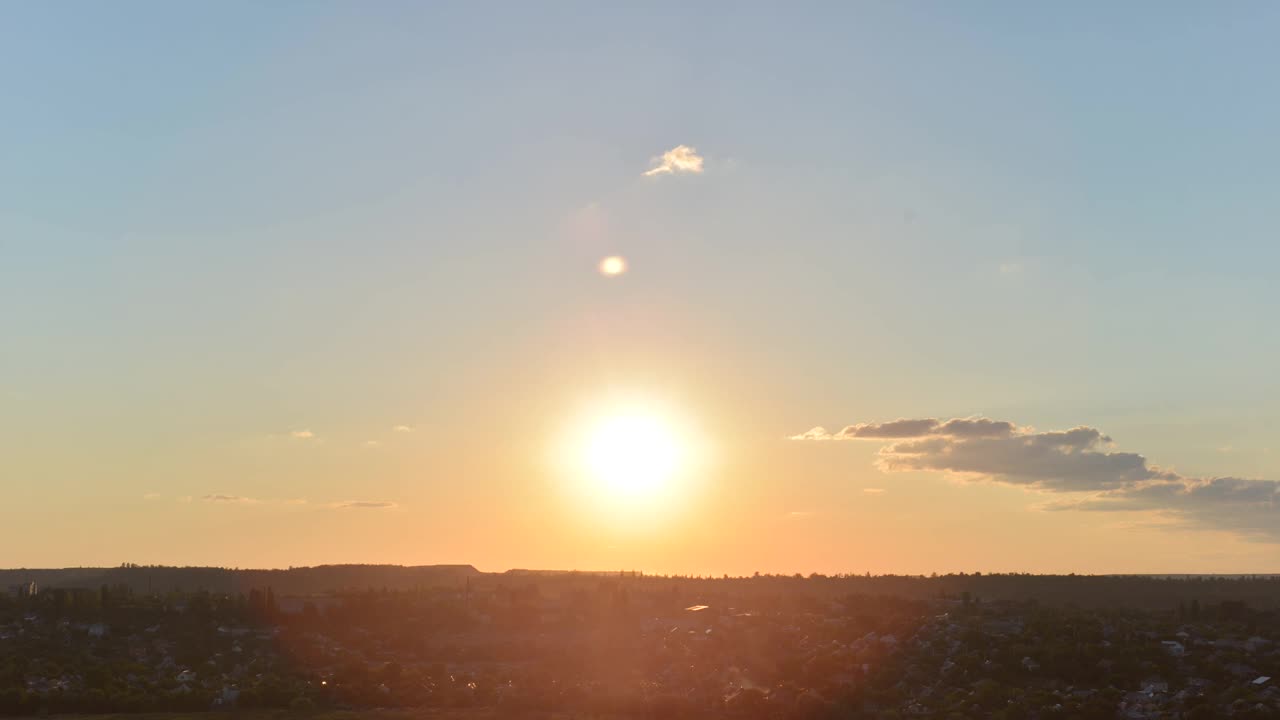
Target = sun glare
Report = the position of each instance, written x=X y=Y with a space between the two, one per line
x=632 y=463
x=632 y=454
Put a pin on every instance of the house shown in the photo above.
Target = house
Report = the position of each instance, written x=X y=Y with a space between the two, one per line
x=1241 y=670
x=1260 y=681
x=1174 y=648
x=185 y=677
x=23 y=590
x=1154 y=686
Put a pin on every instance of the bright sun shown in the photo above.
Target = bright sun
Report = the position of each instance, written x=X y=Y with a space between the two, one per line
x=632 y=454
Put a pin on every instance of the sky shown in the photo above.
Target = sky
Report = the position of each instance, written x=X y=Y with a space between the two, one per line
x=302 y=282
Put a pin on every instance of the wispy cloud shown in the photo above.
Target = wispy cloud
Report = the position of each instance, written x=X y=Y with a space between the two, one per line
x=216 y=498
x=364 y=504
x=403 y=428
x=371 y=443
x=151 y=496
x=800 y=514
x=222 y=499
x=302 y=434
x=680 y=159
x=874 y=491
x=1079 y=464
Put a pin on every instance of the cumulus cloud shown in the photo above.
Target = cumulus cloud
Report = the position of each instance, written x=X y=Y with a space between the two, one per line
x=678 y=160
x=893 y=429
x=818 y=433
x=365 y=504
x=976 y=427
x=904 y=428
x=1244 y=506
x=996 y=450
x=1078 y=464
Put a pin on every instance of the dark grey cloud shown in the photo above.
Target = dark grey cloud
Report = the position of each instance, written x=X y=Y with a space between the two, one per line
x=1078 y=463
x=1059 y=464
x=976 y=427
x=1072 y=460
x=1240 y=505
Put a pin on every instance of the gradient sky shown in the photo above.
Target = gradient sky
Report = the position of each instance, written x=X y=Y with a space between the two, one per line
x=294 y=283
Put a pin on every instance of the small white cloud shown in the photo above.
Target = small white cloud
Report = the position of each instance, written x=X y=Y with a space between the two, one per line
x=678 y=160
x=371 y=443
x=403 y=428
x=873 y=491
x=363 y=504
x=302 y=434
x=151 y=496
x=800 y=513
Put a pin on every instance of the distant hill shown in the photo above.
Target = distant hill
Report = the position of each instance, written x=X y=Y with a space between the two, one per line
x=294 y=581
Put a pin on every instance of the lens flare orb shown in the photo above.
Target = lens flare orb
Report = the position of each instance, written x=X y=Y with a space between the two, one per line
x=613 y=266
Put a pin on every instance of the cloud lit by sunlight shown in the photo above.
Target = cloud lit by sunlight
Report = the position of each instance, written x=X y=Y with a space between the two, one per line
x=678 y=160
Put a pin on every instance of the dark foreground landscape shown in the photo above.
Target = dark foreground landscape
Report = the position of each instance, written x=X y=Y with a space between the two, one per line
x=452 y=642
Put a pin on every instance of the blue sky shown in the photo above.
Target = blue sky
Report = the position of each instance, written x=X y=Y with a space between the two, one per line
x=226 y=222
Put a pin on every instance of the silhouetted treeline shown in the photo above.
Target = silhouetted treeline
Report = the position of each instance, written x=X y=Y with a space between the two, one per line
x=1145 y=592
x=1133 y=591
x=293 y=581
